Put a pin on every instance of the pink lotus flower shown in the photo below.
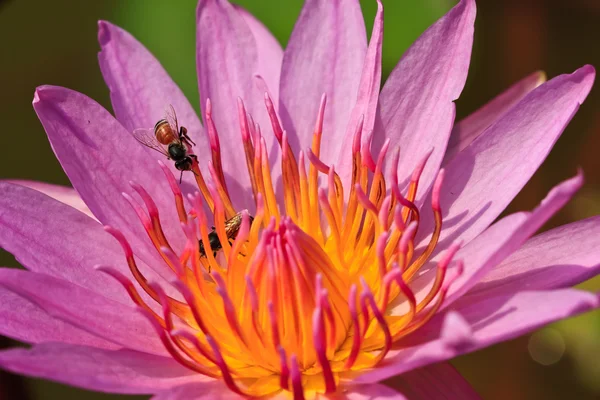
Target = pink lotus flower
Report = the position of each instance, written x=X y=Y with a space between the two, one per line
x=361 y=262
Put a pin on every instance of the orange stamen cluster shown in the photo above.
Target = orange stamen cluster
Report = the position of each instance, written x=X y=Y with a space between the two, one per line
x=303 y=296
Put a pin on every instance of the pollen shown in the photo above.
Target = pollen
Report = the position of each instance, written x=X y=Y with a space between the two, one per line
x=316 y=284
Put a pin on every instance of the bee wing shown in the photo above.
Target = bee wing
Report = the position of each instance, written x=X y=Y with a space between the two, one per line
x=171 y=118
x=148 y=139
x=232 y=225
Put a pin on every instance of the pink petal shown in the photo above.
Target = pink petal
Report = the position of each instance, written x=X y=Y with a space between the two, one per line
x=325 y=54
x=475 y=325
x=498 y=242
x=374 y=391
x=199 y=391
x=478 y=257
x=465 y=131
x=63 y=194
x=100 y=157
x=24 y=321
x=365 y=108
x=227 y=62
x=562 y=257
x=107 y=319
x=269 y=51
x=501 y=318
x=116 y=371
x=482 y=179
x=49 y=237
x=140 y=88
x=495 y=244
x=437 y=381
x=416 y=103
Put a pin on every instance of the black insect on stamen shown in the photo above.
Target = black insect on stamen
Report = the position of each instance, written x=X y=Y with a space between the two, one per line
x=232 y=227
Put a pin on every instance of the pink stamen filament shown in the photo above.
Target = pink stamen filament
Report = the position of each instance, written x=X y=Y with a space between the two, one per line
x=229 y=381
x=164 y=337
x=356 y=333
x=248 y=146
x=215 y=147
x=321 y=349
x=296 y=379
x=284 y=370
x=176 y=192
x=380 y=319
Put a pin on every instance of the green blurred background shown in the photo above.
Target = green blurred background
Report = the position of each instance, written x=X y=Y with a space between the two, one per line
x=54 y=42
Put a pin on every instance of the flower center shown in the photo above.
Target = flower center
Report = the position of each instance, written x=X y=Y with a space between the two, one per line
x=311 y=289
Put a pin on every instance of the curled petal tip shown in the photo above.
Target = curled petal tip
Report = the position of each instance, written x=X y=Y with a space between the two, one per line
x=588 y=69
x=584 y=77
x=568 y=187
x=36 y=97
x=45 y=92
x=468 y=3
x=104 y=32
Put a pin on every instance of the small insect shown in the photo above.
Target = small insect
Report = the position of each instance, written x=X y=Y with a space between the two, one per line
x=232 y=227
x=169 y=139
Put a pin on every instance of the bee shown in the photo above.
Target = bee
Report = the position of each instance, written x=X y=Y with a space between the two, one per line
x=232 y=227
x=170 y=140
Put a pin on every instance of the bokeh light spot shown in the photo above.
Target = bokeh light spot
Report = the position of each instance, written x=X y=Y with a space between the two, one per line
x=546 y=347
